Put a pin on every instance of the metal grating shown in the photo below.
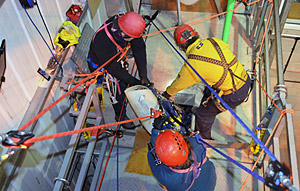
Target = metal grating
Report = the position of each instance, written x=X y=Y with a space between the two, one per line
x=81 y=50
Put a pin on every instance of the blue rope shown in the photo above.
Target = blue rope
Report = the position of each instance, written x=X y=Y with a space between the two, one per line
x=117 y=161
x=273 y=158
x=201 y=141
x=43 y=38
x=125 y=106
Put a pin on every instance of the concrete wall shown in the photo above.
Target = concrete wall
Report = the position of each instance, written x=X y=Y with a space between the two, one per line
x=34 y=168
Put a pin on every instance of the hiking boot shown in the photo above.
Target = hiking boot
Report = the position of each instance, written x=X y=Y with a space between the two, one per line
x=129 y=125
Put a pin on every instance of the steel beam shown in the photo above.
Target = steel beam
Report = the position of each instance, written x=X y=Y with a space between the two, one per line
x=278 y=44
x=267 y=66
x=178 y=12
x=292 y=147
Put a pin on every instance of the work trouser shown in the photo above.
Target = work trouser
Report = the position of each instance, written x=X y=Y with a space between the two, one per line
x=206 y=115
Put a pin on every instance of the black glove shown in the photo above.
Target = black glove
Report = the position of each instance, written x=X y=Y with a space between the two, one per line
x=147 y=83
x=166 y=95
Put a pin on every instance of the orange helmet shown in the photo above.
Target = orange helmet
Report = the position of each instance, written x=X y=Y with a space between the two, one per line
x=171 y=148
x=182 y=33
x=132 y=24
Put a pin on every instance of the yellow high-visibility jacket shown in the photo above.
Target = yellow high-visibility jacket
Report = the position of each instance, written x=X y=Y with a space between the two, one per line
x=211 y=73
x=68 y=34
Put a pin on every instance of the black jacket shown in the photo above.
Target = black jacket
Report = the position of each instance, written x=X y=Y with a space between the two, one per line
x=102 y=49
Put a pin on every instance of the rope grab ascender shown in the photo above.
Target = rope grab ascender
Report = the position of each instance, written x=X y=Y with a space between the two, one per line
x=261 y=129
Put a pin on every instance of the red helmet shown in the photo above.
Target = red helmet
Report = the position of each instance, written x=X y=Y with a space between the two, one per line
x=182 y=33
x=132 y=24
x=171 y=148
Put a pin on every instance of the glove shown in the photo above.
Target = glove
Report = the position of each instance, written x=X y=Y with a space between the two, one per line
x=166 y=95
x=147 y=83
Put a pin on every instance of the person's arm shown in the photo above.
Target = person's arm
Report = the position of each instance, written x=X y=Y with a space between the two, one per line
x=139 y=53
x=116 y=70
x=185 y=78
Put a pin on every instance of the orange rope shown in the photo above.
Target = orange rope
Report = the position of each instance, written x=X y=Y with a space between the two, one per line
x=297 y=72
x=94 y=128
x=262 y=40
x=65 y=95
x=113 y=142
x=267 y=142
x=266 y=93
x=213 y=16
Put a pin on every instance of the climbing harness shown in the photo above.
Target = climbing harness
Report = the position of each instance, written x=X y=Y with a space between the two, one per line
x=271 y=155
x=119 y=48
x=227 y=69
x=110 y=83
x=196 y=166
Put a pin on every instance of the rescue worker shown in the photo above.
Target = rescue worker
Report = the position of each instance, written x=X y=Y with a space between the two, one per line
x=218 y=66
x=180 y=163
x=118 y=32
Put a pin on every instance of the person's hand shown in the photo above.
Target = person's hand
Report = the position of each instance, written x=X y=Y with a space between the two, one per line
x=166 y=95
x=147 y=83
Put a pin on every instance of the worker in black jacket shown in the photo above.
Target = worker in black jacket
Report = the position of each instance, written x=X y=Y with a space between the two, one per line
x=117 y=33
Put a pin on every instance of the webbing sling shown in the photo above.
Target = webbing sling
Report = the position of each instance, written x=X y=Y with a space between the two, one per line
x=222 y=63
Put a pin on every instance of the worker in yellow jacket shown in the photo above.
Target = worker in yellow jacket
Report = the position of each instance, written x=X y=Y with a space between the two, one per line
x=218 y=66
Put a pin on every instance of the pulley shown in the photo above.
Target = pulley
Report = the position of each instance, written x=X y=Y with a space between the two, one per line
x=28 y=3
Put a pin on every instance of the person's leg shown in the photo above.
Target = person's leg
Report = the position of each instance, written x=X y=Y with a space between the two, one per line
x=205 y=117
x=118 y=107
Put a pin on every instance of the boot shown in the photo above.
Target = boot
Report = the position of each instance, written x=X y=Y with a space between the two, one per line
x=129 y=125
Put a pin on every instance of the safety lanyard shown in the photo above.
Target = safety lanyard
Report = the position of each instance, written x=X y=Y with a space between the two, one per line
x=112 y=39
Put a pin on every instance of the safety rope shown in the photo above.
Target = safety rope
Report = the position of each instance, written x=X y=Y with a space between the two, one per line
x=267 y=142
x=118 y=123
x=210 y=17
x=115 y=136
x=31 y=141
x=65 y=95
x=272 y=156
x=200 y=140
x=264 y=35
x=120 y=118
x=54 y=57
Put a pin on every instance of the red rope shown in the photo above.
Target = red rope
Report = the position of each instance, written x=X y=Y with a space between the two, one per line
x=65 y=95
x=94 y=128
x=113 y=142
x=210 y=17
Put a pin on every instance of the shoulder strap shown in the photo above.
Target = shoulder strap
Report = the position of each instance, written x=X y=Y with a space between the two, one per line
x=222 y=63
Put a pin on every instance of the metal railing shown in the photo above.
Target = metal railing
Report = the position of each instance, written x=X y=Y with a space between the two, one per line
x=272 y=47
